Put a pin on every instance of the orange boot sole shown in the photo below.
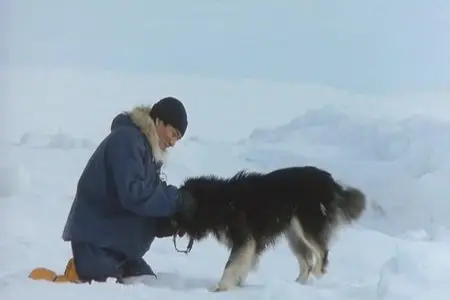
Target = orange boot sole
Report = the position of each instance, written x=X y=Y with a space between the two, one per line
x=69 y=276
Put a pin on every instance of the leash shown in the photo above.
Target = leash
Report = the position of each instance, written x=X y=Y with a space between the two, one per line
x=189 y=246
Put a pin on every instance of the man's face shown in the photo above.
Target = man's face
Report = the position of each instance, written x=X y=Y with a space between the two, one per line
x=168 y=135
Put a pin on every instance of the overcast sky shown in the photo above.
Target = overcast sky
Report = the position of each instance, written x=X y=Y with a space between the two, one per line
x=375 y=46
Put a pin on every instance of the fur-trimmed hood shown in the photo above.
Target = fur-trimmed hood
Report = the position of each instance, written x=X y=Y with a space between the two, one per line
x=140 y=115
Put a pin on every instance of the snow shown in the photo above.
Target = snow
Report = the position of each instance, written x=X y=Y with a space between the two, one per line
x=397 y=152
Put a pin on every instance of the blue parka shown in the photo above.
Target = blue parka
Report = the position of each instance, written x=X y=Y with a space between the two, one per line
x=120 y=195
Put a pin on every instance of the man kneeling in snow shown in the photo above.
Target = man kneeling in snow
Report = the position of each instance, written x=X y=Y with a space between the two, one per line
x=121 y=204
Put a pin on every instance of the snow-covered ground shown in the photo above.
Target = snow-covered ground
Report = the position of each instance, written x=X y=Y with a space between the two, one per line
x=396 y=150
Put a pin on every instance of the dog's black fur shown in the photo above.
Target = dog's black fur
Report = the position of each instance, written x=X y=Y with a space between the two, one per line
x=250 y=211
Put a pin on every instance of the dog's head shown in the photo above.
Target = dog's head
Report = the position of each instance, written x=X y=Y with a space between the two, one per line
x=211 y=205
x=204 y=189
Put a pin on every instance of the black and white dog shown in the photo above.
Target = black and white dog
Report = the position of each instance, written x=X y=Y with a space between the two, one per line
x=250 y=211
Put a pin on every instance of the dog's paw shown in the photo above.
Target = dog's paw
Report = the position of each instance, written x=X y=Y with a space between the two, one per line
x=218 y=288
x=319 y=271
x=303 y=279
x=304 y=276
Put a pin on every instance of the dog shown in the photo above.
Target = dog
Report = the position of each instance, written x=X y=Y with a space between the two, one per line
x=250 y=211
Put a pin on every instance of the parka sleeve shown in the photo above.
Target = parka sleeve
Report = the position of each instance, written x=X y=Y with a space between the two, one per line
x=139 y=187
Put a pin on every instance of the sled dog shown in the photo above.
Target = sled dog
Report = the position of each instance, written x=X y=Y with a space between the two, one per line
x=250 y=211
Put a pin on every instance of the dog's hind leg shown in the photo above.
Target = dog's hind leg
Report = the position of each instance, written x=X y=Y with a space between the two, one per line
x=321 y=257
x=319 y=244
x=301 y=250
x=238 y=266
x=325 y=262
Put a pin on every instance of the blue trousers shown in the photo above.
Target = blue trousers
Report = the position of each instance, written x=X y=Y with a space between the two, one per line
x=98 y=264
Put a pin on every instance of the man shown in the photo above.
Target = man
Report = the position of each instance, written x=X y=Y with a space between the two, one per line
x=121 y=204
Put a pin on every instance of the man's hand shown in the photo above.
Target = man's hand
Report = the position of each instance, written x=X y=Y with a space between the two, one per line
x=165 y=228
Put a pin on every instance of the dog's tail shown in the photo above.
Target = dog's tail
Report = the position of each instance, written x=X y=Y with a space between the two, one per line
x=349 y=202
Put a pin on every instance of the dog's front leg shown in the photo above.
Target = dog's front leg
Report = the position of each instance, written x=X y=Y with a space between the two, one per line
x=242 y=254
x=237 y=267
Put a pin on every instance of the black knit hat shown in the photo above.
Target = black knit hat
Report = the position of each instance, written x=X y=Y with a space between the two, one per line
x=171 y=111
